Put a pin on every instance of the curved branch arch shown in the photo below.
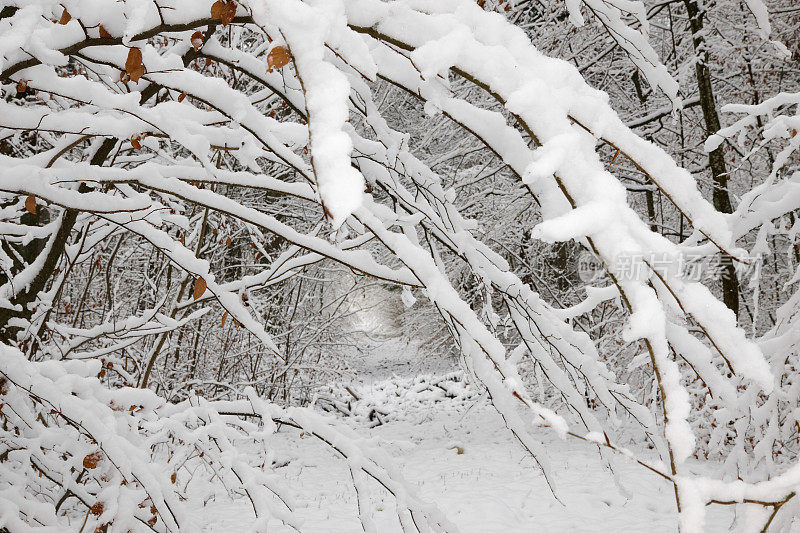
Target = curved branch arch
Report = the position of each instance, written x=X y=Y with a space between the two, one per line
x=412 y=45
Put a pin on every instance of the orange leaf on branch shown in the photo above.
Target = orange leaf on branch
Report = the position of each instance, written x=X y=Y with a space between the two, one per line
x=197 y=41
x=133 y=65
x=216 y=9
x=30 y=204
x=199 y=288
x=230 y=13
x=223 y=11
x=104 y=33
x=136 y=73
x=135 y=142
x=65 y=17
x=278 y=57
x=92 y=460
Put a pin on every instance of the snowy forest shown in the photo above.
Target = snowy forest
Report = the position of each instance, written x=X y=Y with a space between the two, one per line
x=404 y=266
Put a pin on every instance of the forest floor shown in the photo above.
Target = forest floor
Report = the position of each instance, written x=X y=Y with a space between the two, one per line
x=491 y=486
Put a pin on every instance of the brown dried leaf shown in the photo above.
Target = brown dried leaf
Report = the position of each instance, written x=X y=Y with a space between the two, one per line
x=135 y=142
x=92 y=460
x=197 y=41
x=97 y=509
x=199 y=288
x=230 y=12
x=134 y=58
x=181 y=97
x=224 y=316
x=22 y=86
x=224 y=11
x=173 y=477
x=104 y=33
x=65 y=17
x=228 y=241
x=136 y=73
x=278 y=57
x=217 y=9
x=30 y=204
x=133 y=65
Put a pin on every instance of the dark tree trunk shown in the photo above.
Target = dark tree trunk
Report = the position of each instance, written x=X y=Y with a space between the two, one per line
x=716 y=158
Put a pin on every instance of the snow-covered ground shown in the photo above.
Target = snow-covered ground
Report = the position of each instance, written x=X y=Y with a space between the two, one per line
x=491 y=487
x=458 y=454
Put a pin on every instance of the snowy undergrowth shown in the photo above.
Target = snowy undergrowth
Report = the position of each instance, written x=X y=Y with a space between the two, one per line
x=472 y=468
x=412 y=399
x=452 y=445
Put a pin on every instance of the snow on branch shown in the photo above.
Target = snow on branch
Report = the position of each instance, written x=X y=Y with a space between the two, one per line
x=152 y=124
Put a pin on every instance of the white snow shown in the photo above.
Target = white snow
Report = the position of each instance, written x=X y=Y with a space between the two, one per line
x=458 y=454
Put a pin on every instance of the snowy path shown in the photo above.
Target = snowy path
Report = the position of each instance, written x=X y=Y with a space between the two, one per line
x=492 y=487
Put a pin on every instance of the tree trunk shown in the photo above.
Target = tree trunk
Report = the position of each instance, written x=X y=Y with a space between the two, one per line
x=716 y=158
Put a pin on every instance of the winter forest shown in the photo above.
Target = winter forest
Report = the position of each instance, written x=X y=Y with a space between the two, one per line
x=399 y=266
